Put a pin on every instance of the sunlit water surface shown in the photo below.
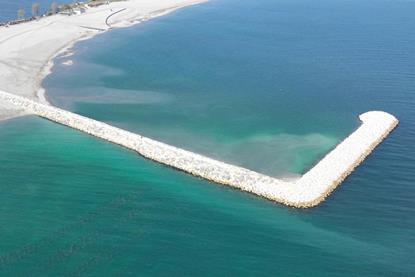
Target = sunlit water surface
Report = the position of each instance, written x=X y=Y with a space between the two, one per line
x=269 y=85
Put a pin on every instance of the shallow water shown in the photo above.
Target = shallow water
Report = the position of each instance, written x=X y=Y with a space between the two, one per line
x=268 y=85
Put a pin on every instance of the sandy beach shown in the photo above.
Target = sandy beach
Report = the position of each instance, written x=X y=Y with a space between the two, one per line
x=26 y=57
x=27 y=50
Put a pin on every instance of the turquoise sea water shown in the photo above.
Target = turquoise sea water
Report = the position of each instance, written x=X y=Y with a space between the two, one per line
x=270 y=85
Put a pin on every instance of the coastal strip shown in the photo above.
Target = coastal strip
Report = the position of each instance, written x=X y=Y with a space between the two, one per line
x=27 y=49
x=308 y=191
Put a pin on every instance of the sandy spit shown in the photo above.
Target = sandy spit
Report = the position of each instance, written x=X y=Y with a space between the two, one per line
x=27 y=50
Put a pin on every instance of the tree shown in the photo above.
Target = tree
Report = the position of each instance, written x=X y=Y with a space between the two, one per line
x=54 y=8
x=35 y=9
x=66 y=8
x=20 y=14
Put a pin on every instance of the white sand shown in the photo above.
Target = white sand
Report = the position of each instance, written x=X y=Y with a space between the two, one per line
x=27 y=49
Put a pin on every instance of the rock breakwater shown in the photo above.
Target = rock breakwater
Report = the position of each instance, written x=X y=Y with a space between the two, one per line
x=311 y=189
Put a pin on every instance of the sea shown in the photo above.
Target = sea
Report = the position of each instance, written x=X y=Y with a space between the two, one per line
x=271 y=85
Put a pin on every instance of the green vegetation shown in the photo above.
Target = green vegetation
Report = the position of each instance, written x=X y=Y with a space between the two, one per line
x=35 y=9
x=20 y=14
x=56 y=8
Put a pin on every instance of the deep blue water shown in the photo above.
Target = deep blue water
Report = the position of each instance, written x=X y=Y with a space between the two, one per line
x=271 y=85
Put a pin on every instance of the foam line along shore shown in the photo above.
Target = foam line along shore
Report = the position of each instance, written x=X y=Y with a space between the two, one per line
x=27 y=49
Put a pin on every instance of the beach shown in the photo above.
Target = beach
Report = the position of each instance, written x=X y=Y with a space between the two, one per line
x=27 y=50
x=269 y=86
x=45 y=39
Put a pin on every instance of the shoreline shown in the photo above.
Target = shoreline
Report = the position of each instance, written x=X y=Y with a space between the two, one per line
x=46 y=70
x=30 y=69
x=20 y=43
